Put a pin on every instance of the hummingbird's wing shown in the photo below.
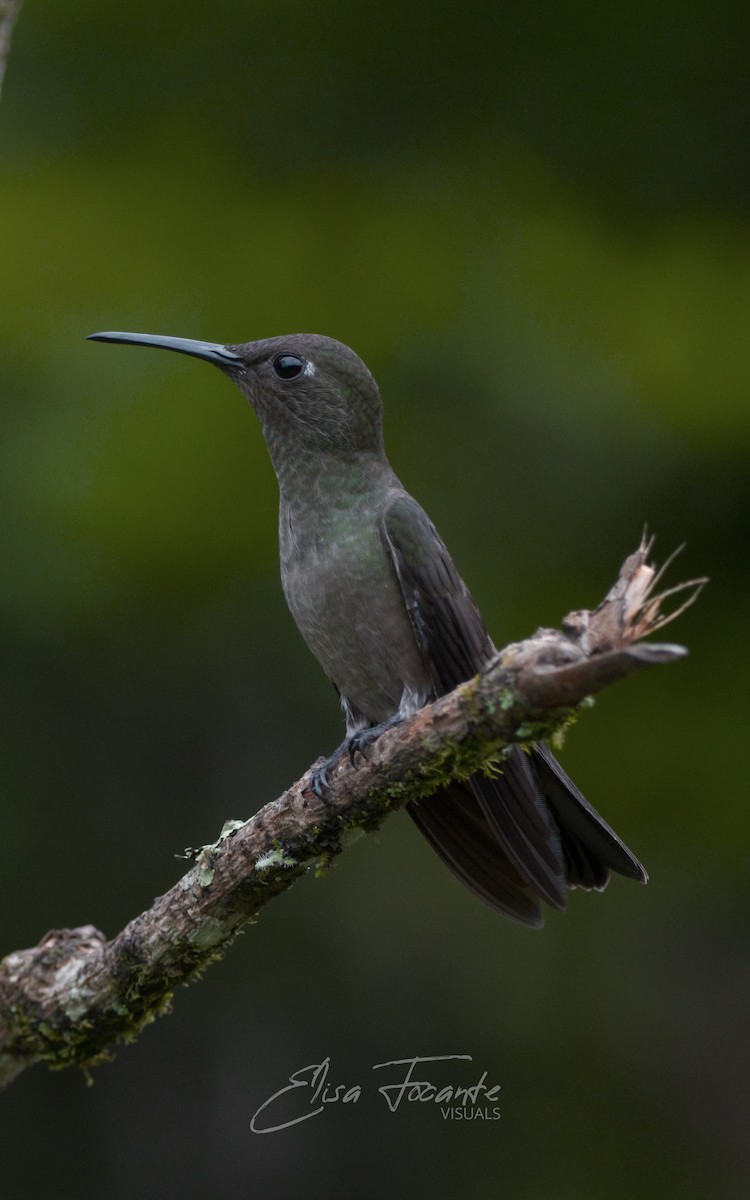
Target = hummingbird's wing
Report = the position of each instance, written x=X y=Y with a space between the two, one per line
x=449 y=629
x=549 y=835
x=447 y=623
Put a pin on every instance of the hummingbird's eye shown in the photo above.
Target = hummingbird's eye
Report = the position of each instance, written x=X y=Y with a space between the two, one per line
x=288 y=366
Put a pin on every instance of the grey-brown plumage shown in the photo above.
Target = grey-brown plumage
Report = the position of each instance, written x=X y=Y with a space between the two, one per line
x=378 y=600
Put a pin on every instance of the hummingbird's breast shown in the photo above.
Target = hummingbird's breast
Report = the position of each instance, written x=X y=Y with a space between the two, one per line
x=342 y=590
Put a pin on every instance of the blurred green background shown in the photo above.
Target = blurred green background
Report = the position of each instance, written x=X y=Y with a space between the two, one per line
x=531 y=222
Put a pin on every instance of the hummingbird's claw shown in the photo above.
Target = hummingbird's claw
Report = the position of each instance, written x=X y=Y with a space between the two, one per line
x=359 y=741
x=352 y=746
x=319 y=780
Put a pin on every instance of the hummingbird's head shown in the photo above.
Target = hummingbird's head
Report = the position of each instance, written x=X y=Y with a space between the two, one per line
x=310 y=393
x=312 y=390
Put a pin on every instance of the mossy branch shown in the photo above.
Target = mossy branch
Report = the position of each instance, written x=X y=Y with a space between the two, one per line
x=70 y=999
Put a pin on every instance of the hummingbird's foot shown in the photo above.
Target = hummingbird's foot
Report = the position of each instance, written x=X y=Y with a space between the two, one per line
x=319 y=781
x=358 y=742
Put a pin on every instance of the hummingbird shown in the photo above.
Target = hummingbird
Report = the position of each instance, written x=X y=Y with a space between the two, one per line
x=378 y=600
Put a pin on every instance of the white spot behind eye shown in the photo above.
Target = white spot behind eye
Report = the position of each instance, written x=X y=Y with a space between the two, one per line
x=309 y=368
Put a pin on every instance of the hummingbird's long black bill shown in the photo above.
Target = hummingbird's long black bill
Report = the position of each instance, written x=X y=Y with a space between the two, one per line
x=212 y=352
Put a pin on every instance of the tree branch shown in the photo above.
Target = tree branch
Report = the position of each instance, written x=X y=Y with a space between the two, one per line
x=9 y=10
x=70 y=999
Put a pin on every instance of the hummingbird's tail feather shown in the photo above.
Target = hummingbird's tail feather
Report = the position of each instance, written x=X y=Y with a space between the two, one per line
x=591 y=848
x=520 y=818
x=455 y=827
x=523 y=835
